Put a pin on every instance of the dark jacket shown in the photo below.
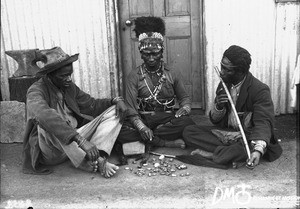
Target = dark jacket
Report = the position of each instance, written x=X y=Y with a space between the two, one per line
x=136 y=87
x=255 y=97
x=42 y=103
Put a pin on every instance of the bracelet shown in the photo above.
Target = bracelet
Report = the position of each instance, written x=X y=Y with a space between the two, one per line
x=139 y=124
x=259 y=145
x=187 y=108
x=95 y=166
x=117 y=99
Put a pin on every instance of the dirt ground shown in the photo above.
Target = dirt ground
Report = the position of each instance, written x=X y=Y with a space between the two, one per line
x=269 y=185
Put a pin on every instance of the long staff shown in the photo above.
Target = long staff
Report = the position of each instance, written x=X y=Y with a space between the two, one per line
x=235 y=113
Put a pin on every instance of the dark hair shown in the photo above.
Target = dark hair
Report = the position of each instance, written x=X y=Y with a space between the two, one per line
x=239 y=57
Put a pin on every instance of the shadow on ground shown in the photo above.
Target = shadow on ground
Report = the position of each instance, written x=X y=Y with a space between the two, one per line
x=269 y=185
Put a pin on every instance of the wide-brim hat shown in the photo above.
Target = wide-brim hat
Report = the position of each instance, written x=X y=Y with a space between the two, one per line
x=53 y=59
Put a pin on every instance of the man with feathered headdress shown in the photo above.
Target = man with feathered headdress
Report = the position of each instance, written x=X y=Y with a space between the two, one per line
x=151 y=90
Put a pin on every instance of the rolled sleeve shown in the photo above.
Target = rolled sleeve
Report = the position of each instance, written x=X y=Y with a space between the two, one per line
x=259 y=145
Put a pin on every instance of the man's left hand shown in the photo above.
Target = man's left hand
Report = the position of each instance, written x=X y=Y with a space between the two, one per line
x=121 y=110
x=185 y=110
x=254 y=158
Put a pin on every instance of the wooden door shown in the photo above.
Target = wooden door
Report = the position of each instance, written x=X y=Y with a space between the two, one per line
x=183 y=40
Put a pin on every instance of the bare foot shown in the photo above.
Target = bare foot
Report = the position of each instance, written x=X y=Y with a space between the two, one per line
x=203 y=153
x=104 y=167
x=110 y=169
x=178 y=143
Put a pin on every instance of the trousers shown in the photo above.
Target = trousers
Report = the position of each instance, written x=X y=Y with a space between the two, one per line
x=202 y=137
x=165 y=126
x=102 y=132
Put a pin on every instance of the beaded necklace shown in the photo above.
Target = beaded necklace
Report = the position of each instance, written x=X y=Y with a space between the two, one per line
x=157 y=88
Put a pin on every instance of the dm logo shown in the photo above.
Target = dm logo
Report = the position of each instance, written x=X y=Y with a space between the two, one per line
x=238 y=195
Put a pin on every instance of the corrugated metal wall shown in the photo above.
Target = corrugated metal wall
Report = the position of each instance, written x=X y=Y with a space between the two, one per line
x=77 y=26
x=269 y=31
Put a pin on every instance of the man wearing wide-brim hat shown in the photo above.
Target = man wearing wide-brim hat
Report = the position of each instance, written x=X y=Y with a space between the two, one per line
x=63 y=122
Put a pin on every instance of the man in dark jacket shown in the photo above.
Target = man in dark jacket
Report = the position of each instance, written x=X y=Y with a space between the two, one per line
x=223 y=143
x=64 y=122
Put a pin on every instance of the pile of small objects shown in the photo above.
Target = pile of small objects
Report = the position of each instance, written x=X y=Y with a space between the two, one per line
x=160 y=166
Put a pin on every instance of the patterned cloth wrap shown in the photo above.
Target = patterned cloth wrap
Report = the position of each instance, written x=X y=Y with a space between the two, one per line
x=231 y=137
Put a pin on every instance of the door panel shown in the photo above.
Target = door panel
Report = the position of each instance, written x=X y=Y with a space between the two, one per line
x=179 y=56
x=182 y=40
x=177 y=8
x=140 y=8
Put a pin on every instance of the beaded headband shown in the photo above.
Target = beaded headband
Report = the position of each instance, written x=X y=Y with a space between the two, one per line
x=154 y=41
x=156 y=35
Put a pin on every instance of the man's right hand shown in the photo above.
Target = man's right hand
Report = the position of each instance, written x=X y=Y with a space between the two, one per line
x=91 y=150
x=254 y=158
x=221 y=99
x=146 y=133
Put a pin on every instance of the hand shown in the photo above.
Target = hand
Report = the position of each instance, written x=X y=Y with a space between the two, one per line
x=221 y=99
x=146 y=133
x=254 y=158
x=185 y=110
x=121 y=110
x=91 y=150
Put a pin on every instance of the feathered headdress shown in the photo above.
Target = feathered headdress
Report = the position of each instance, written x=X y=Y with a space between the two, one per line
x=150 y=32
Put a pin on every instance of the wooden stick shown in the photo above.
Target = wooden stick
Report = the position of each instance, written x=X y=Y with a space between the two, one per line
x=235 y=113
x=158 y=154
